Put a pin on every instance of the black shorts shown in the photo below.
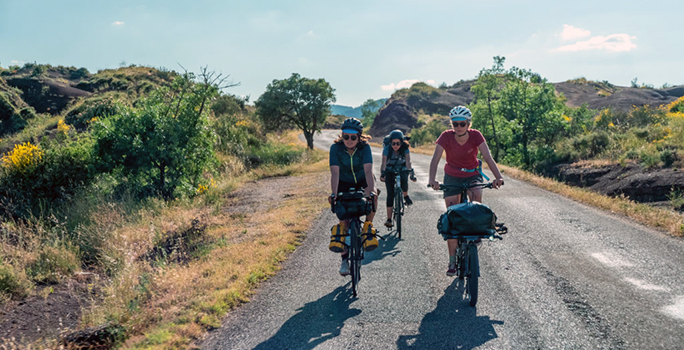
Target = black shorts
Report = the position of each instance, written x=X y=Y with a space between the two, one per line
x=346 y=186
x=459 y=181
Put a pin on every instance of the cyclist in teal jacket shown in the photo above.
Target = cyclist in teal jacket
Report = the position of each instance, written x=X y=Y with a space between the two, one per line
x=351 y=166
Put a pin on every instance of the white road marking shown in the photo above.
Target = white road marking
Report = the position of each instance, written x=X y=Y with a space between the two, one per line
x=676 y=310
x=645 y=285
x=611 y=259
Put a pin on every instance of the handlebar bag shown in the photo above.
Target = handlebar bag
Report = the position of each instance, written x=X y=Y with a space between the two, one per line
x=471 y=218
x=347 y=209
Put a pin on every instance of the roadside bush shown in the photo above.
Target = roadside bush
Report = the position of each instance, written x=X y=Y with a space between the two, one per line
x=428 y=133
x=11 y=285
x=52 y=265
x=165 y=144
x=32 y=178
x=273 y=153
x=89 y=111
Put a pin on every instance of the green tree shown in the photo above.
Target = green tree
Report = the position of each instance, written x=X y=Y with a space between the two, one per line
x=369 y=110
x=530 y=103
x=166 y=142
x=296 y=102
x=486 y=89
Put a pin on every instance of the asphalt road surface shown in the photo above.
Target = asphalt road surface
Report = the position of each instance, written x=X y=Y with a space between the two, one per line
x=567 y=276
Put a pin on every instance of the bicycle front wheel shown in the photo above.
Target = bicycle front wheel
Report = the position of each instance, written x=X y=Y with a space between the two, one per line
x=355 y=255
x=473 y=273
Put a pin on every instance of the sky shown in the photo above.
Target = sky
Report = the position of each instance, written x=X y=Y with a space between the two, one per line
x=364 y=49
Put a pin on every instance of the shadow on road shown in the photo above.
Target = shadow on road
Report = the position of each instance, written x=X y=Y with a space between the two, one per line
x=315 y=323
x=386 y=247
x=453 y=324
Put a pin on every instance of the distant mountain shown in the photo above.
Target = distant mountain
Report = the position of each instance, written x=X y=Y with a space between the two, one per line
x=354 y=112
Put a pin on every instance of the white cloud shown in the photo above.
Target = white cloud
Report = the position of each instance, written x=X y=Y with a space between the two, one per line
x=118 y=23
x=404 y=84
x=17 y=63
x=613 y=42
x=310 y=33
x=572 y=33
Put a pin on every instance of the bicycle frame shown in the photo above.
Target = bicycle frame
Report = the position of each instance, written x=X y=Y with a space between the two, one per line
x=399 y=205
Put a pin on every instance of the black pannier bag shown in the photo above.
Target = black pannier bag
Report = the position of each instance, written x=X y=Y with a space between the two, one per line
x=471 y=218
x=352 y=204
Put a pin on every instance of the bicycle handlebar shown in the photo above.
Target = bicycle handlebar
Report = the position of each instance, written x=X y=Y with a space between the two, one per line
x=444 y=187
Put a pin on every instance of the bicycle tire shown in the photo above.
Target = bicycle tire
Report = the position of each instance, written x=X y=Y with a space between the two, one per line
x=461 y=261
x=397 y=213
x=355 y=255
x=473 y=273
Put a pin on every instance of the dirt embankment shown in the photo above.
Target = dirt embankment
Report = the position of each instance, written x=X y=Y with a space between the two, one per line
x=631 y=180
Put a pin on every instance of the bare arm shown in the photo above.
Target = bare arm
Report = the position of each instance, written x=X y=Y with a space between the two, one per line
x=436 y=157
x=334 y=178
x=370 y=179
x=484 y=151
x=383 y=166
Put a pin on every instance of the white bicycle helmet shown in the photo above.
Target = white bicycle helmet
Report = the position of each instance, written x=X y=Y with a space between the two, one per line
x=460 y=113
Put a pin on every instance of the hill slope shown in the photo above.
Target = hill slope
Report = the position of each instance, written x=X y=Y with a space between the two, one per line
x=401 y=111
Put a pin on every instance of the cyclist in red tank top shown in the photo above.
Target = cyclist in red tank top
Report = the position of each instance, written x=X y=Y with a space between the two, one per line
x=461 y=145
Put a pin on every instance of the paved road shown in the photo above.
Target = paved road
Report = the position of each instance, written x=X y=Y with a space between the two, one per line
x=567 y=276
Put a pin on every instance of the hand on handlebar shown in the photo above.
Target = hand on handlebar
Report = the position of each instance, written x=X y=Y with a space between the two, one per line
x=382 y=178
x=497 y=183
x=331 y=199
x=434 y=184
x=413 y=178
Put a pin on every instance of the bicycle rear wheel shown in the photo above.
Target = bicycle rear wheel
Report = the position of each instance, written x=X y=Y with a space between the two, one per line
x=473 y=273
x=397 y=212
x=355 y=255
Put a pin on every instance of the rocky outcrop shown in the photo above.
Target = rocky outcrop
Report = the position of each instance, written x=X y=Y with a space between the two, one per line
x=620 y=99
x=402 y=109
x=631 y=180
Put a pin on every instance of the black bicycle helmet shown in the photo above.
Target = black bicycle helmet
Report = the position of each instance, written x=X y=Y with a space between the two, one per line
x=396 y=135
x=352 y=126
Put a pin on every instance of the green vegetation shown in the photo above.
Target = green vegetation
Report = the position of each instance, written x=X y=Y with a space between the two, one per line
x=144 y=146
x=529 y=126
x=296 y=102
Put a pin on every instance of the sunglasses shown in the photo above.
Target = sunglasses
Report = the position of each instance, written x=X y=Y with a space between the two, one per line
x=396 y=143
x=461 y=124
x=347 y=137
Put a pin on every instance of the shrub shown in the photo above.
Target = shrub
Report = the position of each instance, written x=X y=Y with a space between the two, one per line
x=668 y=157
x=10 y=284
x=31 y=176
x=428 y=133
x=52 y=265
x=163 y=145
x=89 y=111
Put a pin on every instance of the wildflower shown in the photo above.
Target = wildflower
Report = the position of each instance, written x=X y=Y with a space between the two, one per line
x=62 y=127
x=242 y=123
x=22 y=156
x=201 y=189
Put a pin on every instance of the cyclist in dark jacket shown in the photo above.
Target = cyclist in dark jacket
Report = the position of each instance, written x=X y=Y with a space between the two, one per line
x=351 y=166
x=396 y=157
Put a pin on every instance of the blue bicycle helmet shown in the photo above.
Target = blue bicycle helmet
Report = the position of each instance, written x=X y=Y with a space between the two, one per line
x=460 y=113
x=352 y=126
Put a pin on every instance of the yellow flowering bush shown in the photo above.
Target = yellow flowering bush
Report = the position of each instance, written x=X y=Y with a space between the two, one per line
x=62 y=127
x=22 y=156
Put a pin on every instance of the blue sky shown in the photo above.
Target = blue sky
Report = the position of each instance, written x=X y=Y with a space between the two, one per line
x=364 y=49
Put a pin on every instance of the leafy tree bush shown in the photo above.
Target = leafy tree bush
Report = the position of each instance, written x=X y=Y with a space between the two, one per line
x=296 y=102
x=166 y=143
x=89 y=111
x=32 y=178
x=427 y=133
